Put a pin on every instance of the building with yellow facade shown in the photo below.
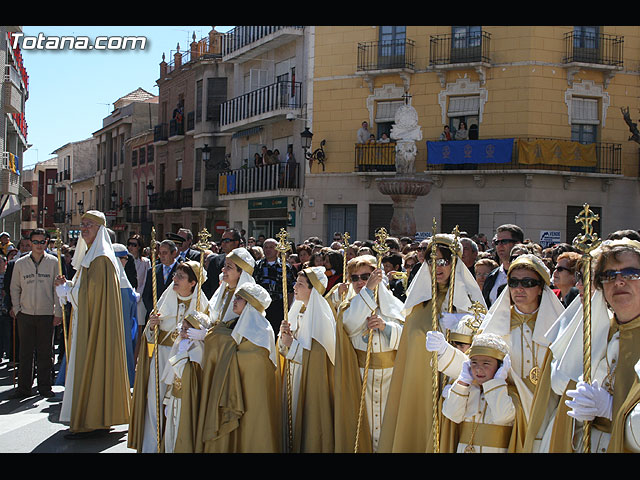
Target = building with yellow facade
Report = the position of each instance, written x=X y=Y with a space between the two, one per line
x=545 y=131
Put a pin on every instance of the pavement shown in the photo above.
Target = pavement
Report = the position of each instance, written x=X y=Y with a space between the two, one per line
x=32 y=424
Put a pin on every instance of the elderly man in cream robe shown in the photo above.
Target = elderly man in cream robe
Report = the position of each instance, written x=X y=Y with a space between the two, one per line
x=360 y=316
x=177 y=302
x=308 y=342
x=97 y=394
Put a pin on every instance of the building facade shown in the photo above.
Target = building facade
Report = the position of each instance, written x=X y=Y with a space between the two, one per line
x=133 y=113
x=14 y=92
x=76 y=160
x=545 y=130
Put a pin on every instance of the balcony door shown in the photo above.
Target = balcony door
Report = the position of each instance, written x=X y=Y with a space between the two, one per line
x=466 y=44
x=586 y=44
x=391 y=49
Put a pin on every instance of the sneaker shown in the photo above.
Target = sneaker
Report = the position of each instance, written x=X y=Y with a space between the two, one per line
x=47 y=393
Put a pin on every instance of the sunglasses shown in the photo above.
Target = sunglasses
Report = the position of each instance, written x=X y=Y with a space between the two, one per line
x=564 y=269
x=39 y=242
x=504 y=241
x=627 y=274
x=133 y=244
x=364 y=277
x=225 y=240
x=524 y=282
x=440 y=262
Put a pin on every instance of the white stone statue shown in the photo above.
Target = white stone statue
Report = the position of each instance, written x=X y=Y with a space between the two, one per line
x=406 y=132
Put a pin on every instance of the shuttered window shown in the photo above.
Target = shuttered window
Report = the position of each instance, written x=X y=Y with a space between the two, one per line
x=466 y=216
x=584 y=111
x=464 y=105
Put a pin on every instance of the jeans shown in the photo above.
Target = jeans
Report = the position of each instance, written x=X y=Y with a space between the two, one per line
x=36 y=336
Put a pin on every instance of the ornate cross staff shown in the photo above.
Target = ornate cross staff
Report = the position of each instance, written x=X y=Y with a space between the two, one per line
x=64 y=320
x=434 y=355
x=381 y=248
x=477 y=309
x=283 y=247
x=454 y=259
x=156 y=331
x=202 y=245
x=345 y=241
x=586 y=243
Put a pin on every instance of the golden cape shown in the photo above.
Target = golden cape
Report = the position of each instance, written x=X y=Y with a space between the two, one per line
x=101 y=396
x=348 y=390
x=239 y=406
x=408 y=418
x=189 y=408
x=313 y=431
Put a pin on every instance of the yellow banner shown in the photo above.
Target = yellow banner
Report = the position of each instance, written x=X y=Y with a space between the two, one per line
x=556 y=152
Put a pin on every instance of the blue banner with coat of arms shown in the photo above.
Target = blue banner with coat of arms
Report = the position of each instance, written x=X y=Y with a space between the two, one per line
x=470 y=151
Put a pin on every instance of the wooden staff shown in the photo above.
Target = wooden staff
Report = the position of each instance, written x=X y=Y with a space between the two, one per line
x=585 y=243
x=58 y=244
x=156 y=330
x=345 y=240
x=381 y=249
x=283 y=247
x=434 y=355
x=202 y=245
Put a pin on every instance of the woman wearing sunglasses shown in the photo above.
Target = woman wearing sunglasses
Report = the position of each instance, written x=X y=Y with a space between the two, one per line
x=522 y=315
x=406 y=426
x=610 y=401
x=358 y=317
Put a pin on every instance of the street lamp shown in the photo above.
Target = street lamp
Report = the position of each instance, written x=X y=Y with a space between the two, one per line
x=80 y=207
x=114 y=197
x=318 y=153
x=206 y=154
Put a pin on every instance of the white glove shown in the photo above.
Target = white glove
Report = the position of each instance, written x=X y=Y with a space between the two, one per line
x=62 y=291
x=465 y=375
x=436 y=342
x=503 y=371
x=589 y=401
x=184 y=345
x=196 y=333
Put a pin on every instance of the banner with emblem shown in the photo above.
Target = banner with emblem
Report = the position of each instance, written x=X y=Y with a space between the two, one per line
x=497 y=150
x=556 y=152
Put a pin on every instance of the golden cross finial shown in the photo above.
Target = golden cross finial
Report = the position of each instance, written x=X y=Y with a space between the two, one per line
x=380 y=245
x=203 y=240
x=58 y=239
x=477 y=309
x=345 y=239
x=588 y=240
x=454 y=246
x=283 y=246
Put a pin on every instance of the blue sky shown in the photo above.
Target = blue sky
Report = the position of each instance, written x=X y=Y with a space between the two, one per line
x=71 y=91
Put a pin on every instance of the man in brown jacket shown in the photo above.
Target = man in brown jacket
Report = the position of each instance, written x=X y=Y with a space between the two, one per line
x=37 y=311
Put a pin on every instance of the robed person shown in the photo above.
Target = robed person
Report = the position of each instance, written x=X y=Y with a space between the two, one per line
x=97 y=392
x=240 y=406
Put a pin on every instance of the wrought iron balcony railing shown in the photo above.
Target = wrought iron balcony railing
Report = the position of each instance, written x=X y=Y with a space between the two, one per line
x=473 y=47
x=598 y=49
x=386 y=55
x=259 y=179
x=272 y=98
x=244 y=35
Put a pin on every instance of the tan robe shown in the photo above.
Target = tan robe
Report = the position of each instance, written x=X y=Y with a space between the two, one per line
x=239 y=408
x=408 y=419
x=100 y=393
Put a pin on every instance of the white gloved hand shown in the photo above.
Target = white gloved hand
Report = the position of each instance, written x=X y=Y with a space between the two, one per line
x=436 y=342
x=503 y=371
x=589 y=401
x=61 y=292
x=465 y=375
x=184 y=345
x=196 y=333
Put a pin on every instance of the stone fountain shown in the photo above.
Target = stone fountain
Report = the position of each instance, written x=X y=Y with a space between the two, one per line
x=405 y=186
